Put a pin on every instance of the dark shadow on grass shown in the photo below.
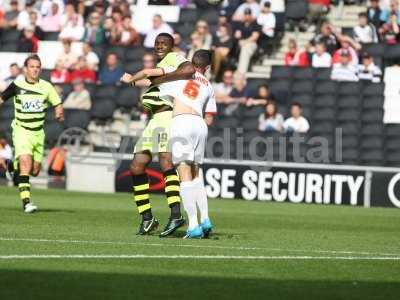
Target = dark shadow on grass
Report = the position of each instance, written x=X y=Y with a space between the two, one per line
x=84 y=285
x=54 y=210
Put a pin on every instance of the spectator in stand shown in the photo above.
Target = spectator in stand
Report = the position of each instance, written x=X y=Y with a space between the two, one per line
x=390 y=31
x=108 y=27
x=237 y=96
x=112 y=72
x=321 y=58
x=158 y=27
x=117 y=17
x=228 y=8
x=266 y=19
x=28 y=42
x=271 y=120
x=23 y=17
x=247 y=35
x=101 y=10
x=350 y=46
x=365 y=32
x=386 y=14
x=317 y=10
x=203 y=31
x=223 y=18
x=125 y=35
x=196 y=43
x=15 y=71
x=344 y=70
x=222 y=45
x=263 y=96
x=148 y=62
x=12 y=15
x=374 y=13
x=94 y=32
x=68 y=58
x=368 y=70
x=69 y=14
x=33 y=19
x=295 y=57
x=47 y=9
x=328 y=37
x=92 y=58
x=52 y=21
x=79 y=98
x=72 y=30
x=6 y=154
x=296 y=123
x=60 y=74
x=179 y=45
x=224 y=88
x=240 y=13
x=82 y=72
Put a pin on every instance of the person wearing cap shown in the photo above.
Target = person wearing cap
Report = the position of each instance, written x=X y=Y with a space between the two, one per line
x=344 y=70
x=266 y=19
x=247 y=35
x=79 y=98
x=368 y=70
x=349 y=45
x=240 y=13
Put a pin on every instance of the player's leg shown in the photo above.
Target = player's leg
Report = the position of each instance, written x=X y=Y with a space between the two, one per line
x=24 y=143
x=161 y=133
x=200 y=190
x=172 y=192
x=189 y=199
x=141 y=190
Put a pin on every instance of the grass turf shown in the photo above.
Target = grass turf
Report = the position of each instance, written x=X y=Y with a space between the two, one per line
x=96 y=224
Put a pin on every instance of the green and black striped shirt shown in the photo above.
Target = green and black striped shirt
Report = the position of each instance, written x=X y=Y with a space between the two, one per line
x=31 y=101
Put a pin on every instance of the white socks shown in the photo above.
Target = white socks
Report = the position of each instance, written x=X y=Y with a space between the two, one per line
x=188 y=193
x=201 y=198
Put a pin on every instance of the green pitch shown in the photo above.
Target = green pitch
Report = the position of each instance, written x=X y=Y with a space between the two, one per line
x=87 y=249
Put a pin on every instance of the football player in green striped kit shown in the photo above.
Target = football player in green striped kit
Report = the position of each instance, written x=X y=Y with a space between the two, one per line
x=155 y=138
x=32 y=96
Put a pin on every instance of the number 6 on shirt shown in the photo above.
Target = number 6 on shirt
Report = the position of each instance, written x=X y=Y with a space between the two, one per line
x=191 y=89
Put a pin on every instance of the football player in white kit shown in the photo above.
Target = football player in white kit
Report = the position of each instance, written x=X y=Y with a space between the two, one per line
x=192 y=99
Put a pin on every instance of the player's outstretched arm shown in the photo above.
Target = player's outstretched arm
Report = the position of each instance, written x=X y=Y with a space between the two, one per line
x=59 y=113
x=185 y=71
x=143 y=74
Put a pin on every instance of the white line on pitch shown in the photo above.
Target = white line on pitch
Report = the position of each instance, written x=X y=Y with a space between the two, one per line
x=194 y=246
x=203 y=257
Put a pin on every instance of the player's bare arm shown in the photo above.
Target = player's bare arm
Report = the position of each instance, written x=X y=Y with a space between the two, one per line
x=185 y=71
x=143 y=74
x=59 y=113
x=209 y=119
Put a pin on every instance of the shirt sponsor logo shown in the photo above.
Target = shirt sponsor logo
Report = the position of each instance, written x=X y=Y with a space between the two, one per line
x=32 y=106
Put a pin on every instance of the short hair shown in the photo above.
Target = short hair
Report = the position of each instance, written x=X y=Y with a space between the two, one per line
x=202 y=58
x=295 y=103
x=168 y=36
x=363 y=14
x=14 y=65
x=32 y=57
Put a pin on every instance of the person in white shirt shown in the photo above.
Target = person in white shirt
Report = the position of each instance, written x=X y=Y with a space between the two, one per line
x=23 y=19
x=368 y=70
x=344 y=70
x=191 y=98
x=266 y=19
x=321 y=58
x=5 y=155
x=296 y=123
x=365 y=32
x=159 y=26
x=253 y=5
x=271 y=120
x=277 y=6
x=72 y=30
x=92 y=58
x=224 y=88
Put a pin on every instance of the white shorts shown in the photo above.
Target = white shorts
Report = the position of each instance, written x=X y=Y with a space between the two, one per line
x=188 y=138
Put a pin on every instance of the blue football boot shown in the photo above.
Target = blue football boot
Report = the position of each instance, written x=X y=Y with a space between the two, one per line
x=207 y=227
x=196 y=233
